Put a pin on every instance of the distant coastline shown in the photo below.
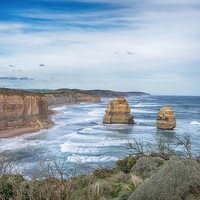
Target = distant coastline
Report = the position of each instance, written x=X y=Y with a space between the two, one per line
x=28 y=111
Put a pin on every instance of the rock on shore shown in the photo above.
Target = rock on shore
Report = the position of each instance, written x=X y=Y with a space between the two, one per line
x=166 y=119
x=118 y=112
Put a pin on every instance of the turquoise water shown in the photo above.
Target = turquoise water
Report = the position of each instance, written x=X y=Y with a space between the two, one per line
x=80 y=137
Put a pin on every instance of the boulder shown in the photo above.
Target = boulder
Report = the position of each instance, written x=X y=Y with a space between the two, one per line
x=178 y=179
x=145 y=167
x=118 y=112
x=166 y=119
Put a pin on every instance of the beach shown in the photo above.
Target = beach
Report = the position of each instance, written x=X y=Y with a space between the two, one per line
x=17 y=131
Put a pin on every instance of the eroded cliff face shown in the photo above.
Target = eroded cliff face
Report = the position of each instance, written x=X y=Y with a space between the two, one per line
x=22 y=109
x=70 y=97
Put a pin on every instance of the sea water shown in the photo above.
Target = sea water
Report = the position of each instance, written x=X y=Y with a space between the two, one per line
x=79 y=136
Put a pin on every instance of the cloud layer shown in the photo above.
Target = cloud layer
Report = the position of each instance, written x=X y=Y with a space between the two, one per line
x=150 y=45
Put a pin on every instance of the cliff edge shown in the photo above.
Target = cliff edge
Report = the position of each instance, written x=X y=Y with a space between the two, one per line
x=22 y=109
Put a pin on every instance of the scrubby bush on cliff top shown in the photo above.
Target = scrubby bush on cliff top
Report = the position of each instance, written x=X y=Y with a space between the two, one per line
x=157 y=176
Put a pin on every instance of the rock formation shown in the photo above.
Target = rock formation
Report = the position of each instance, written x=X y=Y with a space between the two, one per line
x=166 y=119
x=118 y=112
x=22 y=109
x=178 y=179
x=67 y=96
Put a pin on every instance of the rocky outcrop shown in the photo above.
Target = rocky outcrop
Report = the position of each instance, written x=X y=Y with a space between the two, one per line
x=22 y=109
x=67 y=96
x=118 y=112
x=166 y=119
x=178 y=179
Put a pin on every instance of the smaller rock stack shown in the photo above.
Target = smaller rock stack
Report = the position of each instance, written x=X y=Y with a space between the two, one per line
x=166 y=119
x=118 y=112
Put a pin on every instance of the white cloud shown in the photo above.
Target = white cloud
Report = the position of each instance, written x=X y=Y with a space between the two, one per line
x=164 y=44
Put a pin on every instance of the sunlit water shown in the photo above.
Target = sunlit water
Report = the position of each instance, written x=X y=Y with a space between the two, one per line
x=79 y=135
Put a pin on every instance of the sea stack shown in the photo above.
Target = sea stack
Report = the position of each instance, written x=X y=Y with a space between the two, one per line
x=118 y=112
x=166 y=119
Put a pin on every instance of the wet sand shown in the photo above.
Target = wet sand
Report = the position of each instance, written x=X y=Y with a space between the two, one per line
x=17 y=131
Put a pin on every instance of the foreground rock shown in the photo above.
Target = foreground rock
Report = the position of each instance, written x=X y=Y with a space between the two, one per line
x=178 y=179
x=118 y=112
x=166 y=119
x=22 y=109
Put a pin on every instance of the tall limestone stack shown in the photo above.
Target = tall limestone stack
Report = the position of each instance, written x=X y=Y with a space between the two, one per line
x=118 y=112
x=166 y=119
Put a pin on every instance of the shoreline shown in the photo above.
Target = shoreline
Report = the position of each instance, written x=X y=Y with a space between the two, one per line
x=13 y=132
x=17 y=132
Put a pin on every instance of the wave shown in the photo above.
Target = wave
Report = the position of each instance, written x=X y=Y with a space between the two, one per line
x=134 y=110
x=69 y=148
x=60 y=108
x=90 y=159
x=96 y=112
x=140 y=105
x=15 y=143
x=91 y=145
x=195 y=123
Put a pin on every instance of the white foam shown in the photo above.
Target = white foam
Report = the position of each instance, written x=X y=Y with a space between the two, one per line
x=89 y=159
x=21 y=142
x=77 y=136
x=60 y=108
x=67 y=147
x=97 y=112
x=141 y=105
x=195 y=123
x=88 y=130
x=141 y=111
x=95 y=145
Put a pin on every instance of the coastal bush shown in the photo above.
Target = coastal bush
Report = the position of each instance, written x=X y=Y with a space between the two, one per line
x=10 y=185
x=127 y=163
x=147 y=166
x=102 y=172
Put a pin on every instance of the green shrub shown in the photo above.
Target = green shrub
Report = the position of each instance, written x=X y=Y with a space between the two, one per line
x=8 y=185
x=127 y=163
x=102 y=173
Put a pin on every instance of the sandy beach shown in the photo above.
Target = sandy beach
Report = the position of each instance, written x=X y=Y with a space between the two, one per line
x=17 y=131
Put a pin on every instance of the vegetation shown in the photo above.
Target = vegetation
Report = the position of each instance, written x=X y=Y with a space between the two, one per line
x=125 y=181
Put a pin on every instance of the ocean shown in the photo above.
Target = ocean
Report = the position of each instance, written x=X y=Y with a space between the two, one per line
x=79 y=137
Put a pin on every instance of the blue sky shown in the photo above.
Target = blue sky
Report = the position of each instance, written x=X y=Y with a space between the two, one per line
x=129 y=45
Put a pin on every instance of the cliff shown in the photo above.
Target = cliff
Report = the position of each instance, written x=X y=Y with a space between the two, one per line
x=22 y=109
x=110 y=93
x=67 y=96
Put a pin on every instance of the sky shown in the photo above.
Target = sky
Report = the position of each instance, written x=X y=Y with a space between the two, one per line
x=123 y=45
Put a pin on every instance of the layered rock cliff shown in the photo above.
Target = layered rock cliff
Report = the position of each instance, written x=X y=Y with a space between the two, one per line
x=22 y=109
x=67 y=96
x=118 y=112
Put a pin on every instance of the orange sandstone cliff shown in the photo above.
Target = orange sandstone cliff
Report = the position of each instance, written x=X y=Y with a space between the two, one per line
x=22 y=109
